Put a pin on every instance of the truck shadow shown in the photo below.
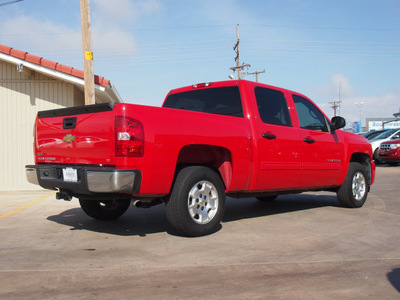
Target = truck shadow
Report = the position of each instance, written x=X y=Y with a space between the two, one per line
x=238 y=209
x=394 y=278
x=142 y=222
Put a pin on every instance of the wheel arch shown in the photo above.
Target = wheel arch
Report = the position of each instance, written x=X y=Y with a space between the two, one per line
x=217 y=158
x=365 y=160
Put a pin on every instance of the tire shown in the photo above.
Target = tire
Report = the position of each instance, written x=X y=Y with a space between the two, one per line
x=354 y=190
x=105 y=209
x=377 y=159
x=267 y=198
x=196 y=204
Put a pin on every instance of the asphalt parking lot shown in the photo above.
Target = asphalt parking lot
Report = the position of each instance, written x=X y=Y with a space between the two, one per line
x=297 y=247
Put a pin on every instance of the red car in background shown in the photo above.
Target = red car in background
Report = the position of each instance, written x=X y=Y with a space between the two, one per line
x=390 y=152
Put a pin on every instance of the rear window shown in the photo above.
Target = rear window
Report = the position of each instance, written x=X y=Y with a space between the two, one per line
x=221 y=101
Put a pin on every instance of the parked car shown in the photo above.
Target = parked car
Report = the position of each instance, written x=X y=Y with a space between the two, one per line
x=390 y=152
x=389 y=135
x=373 y=134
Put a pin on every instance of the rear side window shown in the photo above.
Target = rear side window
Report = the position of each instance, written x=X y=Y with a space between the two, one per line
x=221 y=101
x=272 y=107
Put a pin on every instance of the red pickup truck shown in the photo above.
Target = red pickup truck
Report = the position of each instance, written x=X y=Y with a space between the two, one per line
x=209 y=140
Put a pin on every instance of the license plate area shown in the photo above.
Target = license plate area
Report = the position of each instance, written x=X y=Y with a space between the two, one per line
x=70 y=175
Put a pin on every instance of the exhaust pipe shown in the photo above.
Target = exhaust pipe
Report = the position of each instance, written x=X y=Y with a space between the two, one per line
x=146 y=202
x=137 y=203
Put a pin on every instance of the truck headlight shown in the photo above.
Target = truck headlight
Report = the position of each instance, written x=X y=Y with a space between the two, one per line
x=394 y=146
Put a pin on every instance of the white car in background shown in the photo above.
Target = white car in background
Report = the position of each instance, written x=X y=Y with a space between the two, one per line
x=391 y=134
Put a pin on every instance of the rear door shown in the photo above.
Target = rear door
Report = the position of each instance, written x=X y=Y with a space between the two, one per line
x=278 y=142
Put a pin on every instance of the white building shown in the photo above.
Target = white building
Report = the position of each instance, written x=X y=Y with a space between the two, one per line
x=28 y=84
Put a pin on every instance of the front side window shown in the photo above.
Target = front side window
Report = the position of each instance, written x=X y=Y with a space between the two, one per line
x=272 y=106
x=309 y=115
x=221 y=101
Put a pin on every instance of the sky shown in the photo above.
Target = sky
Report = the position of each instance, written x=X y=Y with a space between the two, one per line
x=347 y=50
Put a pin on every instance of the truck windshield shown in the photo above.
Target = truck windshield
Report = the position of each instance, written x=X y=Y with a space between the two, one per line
x=221 y=101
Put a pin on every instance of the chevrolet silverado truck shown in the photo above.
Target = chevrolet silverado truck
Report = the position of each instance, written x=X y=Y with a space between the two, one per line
x=236 y=138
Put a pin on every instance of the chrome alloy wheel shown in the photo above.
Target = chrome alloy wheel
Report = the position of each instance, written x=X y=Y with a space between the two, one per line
x=203 y=202
x=359 y=186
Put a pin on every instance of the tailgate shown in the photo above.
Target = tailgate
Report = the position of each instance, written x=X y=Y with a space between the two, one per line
x=76 y=135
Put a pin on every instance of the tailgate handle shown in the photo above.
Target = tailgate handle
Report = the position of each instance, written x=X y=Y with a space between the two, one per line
x=69 y=123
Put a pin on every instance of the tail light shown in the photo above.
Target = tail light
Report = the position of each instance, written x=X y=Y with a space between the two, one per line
x=129 y=137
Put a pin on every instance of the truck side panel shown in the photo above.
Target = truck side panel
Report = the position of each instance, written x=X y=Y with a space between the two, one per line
x=168 y=131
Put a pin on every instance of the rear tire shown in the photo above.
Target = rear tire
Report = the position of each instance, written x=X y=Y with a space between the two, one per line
x=196 y=204
x=354 y=190
x=104 y=209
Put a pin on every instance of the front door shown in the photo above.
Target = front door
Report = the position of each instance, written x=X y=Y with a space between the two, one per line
x=322 y=151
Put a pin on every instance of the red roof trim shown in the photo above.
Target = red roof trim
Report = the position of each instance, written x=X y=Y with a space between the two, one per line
x=99 y=80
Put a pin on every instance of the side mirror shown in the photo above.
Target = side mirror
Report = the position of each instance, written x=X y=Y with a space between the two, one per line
x=337 y=123
x=395 y=137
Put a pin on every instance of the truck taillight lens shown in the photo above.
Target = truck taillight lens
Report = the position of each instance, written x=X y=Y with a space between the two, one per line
x=129 y=137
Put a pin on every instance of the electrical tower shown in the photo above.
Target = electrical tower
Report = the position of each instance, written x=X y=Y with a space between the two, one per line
x=239 y=66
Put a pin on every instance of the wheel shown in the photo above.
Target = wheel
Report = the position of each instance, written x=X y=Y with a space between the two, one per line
x=377 y=159
x=354 y=189
x=267 y=198
x=104 y=209
x=196 y=204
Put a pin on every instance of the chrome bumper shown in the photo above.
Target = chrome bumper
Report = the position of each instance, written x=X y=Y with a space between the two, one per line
x=108 y=182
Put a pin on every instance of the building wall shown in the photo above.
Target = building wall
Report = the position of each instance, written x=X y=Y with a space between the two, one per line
x=21 y=97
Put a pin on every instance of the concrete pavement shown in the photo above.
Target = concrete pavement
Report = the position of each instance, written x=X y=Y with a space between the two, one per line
x=298 y=247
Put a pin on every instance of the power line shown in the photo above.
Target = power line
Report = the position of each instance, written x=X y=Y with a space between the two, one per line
x=10 y=2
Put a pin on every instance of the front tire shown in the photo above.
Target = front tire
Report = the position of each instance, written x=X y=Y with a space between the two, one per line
x=104 y=209
x=377 y=159
x=196 y=204
x=354 y=190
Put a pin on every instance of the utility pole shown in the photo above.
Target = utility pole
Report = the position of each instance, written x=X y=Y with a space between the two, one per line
x=360 y=105
x=256 y=73
x=336 y=107
x=336 y=104
x=87 y=53
x=239 y=66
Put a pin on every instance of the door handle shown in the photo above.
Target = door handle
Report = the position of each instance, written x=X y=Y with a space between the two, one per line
x=269 y=136
x=309 y=141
